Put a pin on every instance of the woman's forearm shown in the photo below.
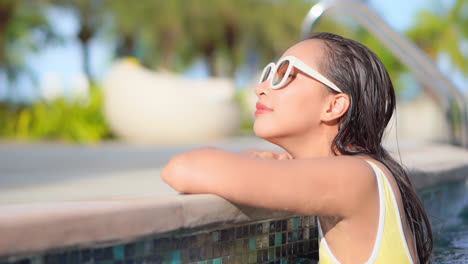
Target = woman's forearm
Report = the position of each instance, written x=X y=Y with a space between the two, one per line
x=299 y=185
x=234 y=176
x=204 y=170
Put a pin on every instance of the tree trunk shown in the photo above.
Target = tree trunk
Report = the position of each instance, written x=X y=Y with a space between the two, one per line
x=167 y=50
x=6 y=12
x=126 y=46
x=86 y=60
x=231 y=36
x=210 y=56
x=85 y=35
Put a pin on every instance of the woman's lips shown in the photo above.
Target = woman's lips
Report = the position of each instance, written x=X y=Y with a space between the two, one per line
x=261 y=109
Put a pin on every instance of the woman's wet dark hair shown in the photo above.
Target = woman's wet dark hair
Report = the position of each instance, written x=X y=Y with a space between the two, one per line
x=363 y=77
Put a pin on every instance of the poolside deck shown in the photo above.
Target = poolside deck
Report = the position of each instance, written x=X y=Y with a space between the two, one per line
x=57 y=172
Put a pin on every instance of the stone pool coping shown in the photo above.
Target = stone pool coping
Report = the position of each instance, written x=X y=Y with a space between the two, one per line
x=29 y=228
x=35 y=227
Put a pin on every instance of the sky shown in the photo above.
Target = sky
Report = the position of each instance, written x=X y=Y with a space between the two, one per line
x=60 y=66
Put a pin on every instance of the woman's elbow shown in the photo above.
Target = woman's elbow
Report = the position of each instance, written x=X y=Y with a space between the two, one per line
x=174 y=174
x=192 y=172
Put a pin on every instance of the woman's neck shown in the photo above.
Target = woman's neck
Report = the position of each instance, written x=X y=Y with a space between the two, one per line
x=307 y=145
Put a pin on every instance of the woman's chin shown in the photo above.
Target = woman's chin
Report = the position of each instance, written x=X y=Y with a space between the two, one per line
x=263 y=132
x=258 y=130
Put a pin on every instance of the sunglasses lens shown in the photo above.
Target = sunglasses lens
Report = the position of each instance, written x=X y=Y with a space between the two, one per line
x=266 y=73
x=281 y=72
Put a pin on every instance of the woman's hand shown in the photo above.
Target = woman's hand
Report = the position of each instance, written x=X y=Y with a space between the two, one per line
x=267 y=155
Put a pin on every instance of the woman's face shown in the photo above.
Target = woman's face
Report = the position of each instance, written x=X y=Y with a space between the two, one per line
x=297 y=106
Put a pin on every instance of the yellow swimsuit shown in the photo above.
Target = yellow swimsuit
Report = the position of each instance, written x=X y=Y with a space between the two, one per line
x=390 y=244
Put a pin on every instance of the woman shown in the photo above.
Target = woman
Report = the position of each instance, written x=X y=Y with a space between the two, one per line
x=327 y=103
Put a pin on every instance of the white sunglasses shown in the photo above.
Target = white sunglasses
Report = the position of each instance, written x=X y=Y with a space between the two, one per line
x=279 y=73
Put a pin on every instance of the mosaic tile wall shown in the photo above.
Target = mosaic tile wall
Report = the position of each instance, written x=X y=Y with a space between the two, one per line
x=278 y=241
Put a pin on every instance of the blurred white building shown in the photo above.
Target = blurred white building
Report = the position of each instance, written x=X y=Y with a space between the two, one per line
x=154 y=107
x=79 y=88
x=52 y=86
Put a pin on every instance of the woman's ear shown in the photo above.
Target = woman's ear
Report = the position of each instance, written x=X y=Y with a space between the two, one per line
x=335 y=107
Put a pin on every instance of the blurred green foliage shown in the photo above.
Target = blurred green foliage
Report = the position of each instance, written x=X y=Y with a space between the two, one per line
x=242 y=99
x=24 y=29
x=60 y=119
x=172 y=34
x=444 y=31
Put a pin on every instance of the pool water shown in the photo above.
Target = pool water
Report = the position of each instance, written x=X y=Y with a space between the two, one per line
x=447 y=207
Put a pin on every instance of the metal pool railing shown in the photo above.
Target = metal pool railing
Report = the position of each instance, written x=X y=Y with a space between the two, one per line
x=447 y=95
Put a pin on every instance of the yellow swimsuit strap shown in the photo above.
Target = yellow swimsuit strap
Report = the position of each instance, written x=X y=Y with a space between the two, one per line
x=390 y=244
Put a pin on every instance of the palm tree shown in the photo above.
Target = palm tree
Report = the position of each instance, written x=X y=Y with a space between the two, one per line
x=443 y=32
x=174 y=33
x=90 y=15
x=18 y=19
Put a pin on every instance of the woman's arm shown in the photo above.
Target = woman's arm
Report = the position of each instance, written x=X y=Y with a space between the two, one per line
x=325 y=186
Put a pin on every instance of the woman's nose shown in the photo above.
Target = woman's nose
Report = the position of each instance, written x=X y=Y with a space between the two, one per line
x=261 y=88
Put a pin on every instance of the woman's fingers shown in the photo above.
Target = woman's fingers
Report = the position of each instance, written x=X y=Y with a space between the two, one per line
x=276 y=155
x=282 y=155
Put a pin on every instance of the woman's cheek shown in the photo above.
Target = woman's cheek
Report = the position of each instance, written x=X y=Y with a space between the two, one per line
x=293 y=120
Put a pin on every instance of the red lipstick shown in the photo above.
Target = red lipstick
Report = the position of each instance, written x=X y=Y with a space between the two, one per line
x=261 y=109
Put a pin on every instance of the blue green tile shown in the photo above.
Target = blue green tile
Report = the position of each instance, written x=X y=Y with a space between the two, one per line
x=55 y=258
x=119 y=252
x=147 y=247
x=176 y=257
x=167 y=258
x=139 y=248
x=86 y=255
x=215 y=236
x=217 y=261
x=73 y=257
x=278 y=239
x=271 y=253
x=295 y=236
x=252 y=243
x=38 y=260
x=295 y=223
